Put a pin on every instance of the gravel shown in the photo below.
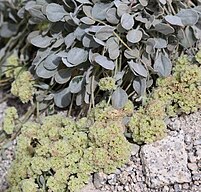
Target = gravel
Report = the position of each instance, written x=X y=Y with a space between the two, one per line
x=132 y=176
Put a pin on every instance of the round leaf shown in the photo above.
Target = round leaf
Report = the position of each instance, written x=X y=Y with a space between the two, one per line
x=163 y=65
x=62 y=76
x=111 y=16
x=69 y=39
x=188 y=17
x=52 y=62
x=174 y=20
x=119 y=98
x=164 y=28
x=77 y=56
x=138 y=68
x=134 y=36
x=62 y=98
x=104 y=62
x=139 y=85
x=40 y=41
x=113 y=48
x=42 y=72
x=75 y=85
x=104 y=33
x=99 y=10
x=55 y=12
x=127 y=21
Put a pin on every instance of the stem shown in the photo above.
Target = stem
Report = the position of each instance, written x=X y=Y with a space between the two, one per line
x=113 y=33
x=71 y=106
x=92 y=90
x=131 y=94
x=18 y=128
x=122 y=41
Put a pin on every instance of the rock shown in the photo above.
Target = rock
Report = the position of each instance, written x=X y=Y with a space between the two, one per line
x=197 y=142
x=192 y=166
x=123 y=177
x=134 y=149
x=199 y=164
x=99 y=179
x=174 y=124
x=188 y=139
x=192 y=158
x=185 y=186
x=196 y=177
x=120 y=188
x=165 y=162
x=89 y=188
x=177 y=187
x=112 y=179
x=198 y=151
x=166 y=189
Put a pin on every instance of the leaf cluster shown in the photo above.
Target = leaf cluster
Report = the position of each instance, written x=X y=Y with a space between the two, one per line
x=174 y=95
x=72 y=45
x=60 y=154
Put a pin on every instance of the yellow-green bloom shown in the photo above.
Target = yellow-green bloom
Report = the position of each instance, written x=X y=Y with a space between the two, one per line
x=9 y=120
x=23 y=86
x=28 y=185
x=12 y=66
x=107 y=84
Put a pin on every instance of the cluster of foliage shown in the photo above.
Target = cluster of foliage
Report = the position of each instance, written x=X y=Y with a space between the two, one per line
x=60 y=154
x=176 y=94
x=67 y=53
x=80 y=49
x=10 y=120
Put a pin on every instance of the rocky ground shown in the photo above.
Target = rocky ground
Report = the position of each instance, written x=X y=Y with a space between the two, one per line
x=170 y=165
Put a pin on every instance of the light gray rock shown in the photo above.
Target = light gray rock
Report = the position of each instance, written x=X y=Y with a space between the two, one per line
x=198 y=151
x=192 y=166
x=165 y=162
x=135 y=149
x=174 y=124
x=89 y=188
x=99 y=179
x=112 y=179
x=197 y=142
x=197 y=177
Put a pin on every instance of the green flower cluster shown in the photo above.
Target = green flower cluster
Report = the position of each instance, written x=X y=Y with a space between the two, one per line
x=23 y=86
x=9 y=120
x=65 y=152
x=176 y=94
x=107 y=84
x=12 y=66
x=147 y=128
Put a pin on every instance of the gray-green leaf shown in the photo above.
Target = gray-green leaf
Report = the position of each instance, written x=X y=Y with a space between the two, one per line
x=62 y=76
x=104 y=62
x=119 y=98
x=99 y=10
x=174 y=20
x=134 y=36
x=164 y=28
x=40 y=41
x=55 y=12
x=127 y=21
x=163 y=65
x=77 y=56
x=189 y=17
x=111 y=16
x=75 y=84
x=104 y=33
x=62 y=98
x=139 y=85
x=138 y=68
